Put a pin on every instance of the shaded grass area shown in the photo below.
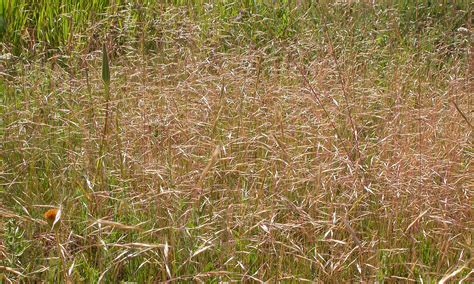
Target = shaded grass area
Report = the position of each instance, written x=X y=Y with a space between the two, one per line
x=243 y=142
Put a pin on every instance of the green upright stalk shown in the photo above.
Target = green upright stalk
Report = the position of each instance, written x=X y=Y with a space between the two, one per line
x=106 y=79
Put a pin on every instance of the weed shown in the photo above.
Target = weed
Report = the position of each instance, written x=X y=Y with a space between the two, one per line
x=221 y=141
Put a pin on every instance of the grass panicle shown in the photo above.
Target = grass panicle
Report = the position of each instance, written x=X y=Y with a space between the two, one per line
x=236 y=141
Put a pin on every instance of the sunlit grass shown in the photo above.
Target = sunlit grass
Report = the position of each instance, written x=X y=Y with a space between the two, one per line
x=235 y=141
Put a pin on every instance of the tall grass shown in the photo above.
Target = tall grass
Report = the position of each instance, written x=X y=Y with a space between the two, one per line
x=245 y=141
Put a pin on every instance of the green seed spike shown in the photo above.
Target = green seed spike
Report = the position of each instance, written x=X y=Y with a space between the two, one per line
x=105 y=66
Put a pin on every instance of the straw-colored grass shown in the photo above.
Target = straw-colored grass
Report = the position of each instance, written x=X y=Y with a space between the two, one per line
x=330 y=143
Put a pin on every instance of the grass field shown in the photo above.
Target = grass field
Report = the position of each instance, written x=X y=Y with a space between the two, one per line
x=245 y=141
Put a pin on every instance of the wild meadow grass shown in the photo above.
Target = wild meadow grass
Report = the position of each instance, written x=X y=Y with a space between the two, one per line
x=245 y=141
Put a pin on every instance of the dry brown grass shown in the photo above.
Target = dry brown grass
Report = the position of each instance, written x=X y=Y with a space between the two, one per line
x=293 y=161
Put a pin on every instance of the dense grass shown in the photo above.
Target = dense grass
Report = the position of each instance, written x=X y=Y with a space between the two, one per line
x=236 y=141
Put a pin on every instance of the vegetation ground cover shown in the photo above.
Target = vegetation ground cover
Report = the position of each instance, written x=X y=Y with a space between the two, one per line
x=253 y=141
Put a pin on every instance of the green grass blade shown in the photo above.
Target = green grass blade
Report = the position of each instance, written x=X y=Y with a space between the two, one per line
x=105 y=66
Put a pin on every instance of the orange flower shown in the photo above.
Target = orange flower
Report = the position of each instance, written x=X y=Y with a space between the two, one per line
x=51 y=215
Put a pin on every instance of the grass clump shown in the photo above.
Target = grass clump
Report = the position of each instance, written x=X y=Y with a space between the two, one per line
x=235 y=141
